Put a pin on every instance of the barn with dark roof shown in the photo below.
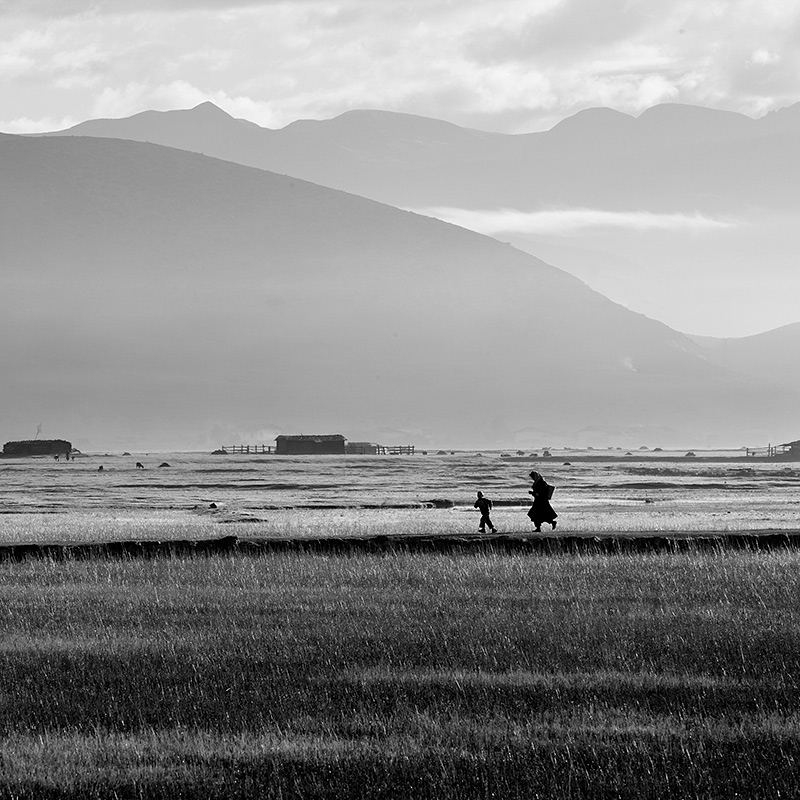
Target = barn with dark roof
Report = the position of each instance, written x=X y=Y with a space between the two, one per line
x=37 y=447
x=310 y=445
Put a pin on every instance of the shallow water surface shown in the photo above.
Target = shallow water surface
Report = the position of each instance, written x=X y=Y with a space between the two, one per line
x=267 y=495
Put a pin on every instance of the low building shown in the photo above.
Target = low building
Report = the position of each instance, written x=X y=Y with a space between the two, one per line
x=37 y=447
x=314 y=445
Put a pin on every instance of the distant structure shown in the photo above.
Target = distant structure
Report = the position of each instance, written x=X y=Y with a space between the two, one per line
x=228 y=449
x=372 y=449
x=37 y=447
x=789 y=451
x=303 y=445
x=361 y=448
x=311 y=445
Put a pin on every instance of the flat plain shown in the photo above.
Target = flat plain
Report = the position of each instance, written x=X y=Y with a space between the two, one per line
x=261 y=496
x=477 y=674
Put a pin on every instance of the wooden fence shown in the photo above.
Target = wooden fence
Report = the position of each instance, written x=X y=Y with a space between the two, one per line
x=770 y=451
x=248 y=448
x=258 y=449
x=400 y=450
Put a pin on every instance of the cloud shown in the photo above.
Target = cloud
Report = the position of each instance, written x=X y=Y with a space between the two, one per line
x=20 y=52
x=68 y=8
x=629 y=54
x=569 y=27
x=42 y=125
x=511 y=65
x=764 y=56
x=566 y=222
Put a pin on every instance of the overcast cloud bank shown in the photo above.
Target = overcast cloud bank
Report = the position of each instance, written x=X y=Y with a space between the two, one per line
x=514 y=66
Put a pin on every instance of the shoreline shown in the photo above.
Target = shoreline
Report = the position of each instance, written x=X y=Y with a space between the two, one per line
x=589 y=543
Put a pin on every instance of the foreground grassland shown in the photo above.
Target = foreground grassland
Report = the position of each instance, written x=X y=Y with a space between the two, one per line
x=401 y=676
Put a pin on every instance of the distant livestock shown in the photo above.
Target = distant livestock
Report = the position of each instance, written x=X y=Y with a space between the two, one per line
x=139 y=465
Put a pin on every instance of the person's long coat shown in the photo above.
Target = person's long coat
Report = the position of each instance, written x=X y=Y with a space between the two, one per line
x=541 y=510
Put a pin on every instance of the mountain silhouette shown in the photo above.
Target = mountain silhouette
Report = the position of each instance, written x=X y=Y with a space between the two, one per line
x=156 y=297
x=703 y=202
x=669 y=158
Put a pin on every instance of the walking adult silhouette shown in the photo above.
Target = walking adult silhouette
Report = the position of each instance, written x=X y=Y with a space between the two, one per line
x=541 y=510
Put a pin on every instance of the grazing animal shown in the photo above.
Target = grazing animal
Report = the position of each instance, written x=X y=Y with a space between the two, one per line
x=55 y=458
x=139 y=465
x=100 y=468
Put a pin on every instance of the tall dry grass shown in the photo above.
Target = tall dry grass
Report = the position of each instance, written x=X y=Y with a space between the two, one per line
x=401 y=676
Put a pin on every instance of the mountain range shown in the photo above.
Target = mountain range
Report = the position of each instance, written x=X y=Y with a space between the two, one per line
x=684 y=213
x=157 y=298
x=670 y=156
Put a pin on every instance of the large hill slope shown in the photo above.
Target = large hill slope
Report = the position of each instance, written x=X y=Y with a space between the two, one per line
x=154 y=297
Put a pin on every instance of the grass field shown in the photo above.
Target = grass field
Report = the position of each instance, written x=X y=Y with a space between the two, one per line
x=401 y=676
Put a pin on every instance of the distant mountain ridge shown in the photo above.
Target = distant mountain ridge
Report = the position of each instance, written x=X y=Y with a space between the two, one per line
x=178 y=300
x=598 y=157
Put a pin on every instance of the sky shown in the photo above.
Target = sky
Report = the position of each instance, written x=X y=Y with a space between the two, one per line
x=509 y=66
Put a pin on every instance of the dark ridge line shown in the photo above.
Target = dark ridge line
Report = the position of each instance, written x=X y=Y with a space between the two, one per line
x=422 y=505
x=617 y=544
